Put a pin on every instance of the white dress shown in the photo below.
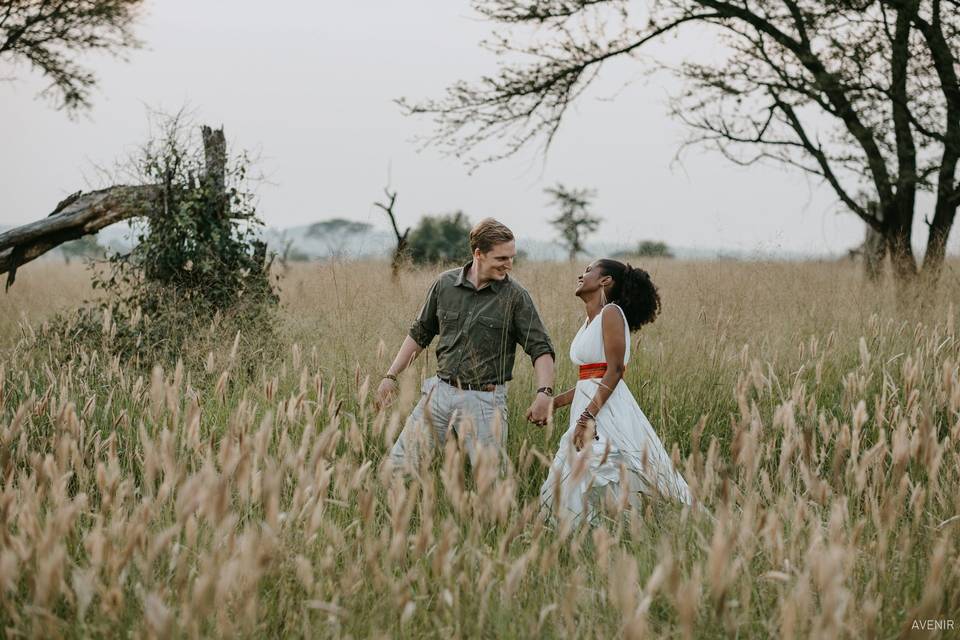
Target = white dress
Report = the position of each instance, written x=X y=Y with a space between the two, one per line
x=628 y=451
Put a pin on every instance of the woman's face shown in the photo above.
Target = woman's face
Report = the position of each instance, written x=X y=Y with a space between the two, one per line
x=590 y=280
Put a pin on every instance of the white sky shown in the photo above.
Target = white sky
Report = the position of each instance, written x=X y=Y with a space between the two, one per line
x=310 y=86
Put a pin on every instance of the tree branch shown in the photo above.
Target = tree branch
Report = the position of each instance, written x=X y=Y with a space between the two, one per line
x=532 y=100
x=510 y=11
x=821 y=158
x=906 y=149
x=827 y=82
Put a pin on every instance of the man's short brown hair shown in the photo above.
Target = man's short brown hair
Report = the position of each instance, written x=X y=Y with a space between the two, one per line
x=487 y=233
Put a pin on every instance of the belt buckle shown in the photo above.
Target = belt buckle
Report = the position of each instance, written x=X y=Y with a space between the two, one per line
x=457 y=384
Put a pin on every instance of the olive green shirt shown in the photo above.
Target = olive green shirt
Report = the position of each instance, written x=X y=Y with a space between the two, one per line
x=479 y=329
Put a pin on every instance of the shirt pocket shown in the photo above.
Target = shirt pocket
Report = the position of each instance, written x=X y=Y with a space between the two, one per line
x=492 y=328
x=449 y=327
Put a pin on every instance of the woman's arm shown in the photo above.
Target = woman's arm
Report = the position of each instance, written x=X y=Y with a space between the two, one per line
x=614 y=350
x=564 y=399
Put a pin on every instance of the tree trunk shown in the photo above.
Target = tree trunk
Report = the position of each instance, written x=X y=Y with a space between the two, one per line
x=937 y=246
x=874 y=251
x=903 y=262
x=215 y=165
x=399 y=254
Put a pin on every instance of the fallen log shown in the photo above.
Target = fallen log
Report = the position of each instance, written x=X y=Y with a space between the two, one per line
x=77 y=215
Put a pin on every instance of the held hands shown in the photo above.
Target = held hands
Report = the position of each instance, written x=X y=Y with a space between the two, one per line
x=540 y=410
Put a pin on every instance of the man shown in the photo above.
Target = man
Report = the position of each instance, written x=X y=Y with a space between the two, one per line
x=480 y=315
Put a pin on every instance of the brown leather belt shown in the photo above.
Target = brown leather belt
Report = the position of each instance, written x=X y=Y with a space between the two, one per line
x=468 y=387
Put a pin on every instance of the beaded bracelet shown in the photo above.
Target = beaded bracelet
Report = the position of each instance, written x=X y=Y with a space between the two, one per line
x=586 y=412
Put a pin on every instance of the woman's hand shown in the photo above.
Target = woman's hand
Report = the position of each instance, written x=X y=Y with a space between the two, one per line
x=585 y=429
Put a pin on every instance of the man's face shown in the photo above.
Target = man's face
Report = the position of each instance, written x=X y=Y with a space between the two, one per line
x=496 y=263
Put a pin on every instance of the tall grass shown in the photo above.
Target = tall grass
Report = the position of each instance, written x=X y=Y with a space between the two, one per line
x=817 y=423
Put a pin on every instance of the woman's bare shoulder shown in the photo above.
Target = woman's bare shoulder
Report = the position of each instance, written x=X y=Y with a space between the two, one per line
x=613 y=320
x=612 y=310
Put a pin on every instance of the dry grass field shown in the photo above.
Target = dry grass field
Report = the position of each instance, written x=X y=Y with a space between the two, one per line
x=245 y=496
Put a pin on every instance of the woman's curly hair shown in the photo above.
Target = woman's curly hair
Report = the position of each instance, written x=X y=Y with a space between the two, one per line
x=633 y=291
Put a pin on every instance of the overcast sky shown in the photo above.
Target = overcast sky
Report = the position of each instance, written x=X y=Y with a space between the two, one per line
x=310 y=88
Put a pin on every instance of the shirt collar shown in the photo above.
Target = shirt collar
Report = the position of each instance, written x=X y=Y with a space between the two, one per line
x=463 y=281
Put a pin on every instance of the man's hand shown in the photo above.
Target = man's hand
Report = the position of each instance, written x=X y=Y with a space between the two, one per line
x=385 y=393
x=388 y=385
x=539 y=411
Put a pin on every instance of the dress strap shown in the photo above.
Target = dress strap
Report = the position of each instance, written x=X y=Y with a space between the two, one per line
x=619 y=308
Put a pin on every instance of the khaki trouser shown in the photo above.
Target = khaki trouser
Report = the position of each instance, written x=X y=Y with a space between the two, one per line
x=477 y=419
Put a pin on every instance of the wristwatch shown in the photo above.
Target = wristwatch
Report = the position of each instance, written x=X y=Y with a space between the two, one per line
x=546 y=390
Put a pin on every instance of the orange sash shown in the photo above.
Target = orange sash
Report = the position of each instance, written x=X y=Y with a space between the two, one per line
x=593 y=370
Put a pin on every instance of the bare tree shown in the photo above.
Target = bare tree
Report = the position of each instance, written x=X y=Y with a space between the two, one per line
x=50 y=34
x=863 y=94
x=575 y=220
x=400 y=252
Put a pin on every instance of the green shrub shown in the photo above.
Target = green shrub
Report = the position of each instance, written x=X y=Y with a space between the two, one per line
x=440 y=239
x=198 y=272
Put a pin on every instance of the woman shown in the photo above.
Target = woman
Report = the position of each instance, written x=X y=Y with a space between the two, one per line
x=610 y=446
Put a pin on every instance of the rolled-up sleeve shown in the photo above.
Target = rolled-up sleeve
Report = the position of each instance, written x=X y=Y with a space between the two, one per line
x=530 y=333
x=426 y=326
